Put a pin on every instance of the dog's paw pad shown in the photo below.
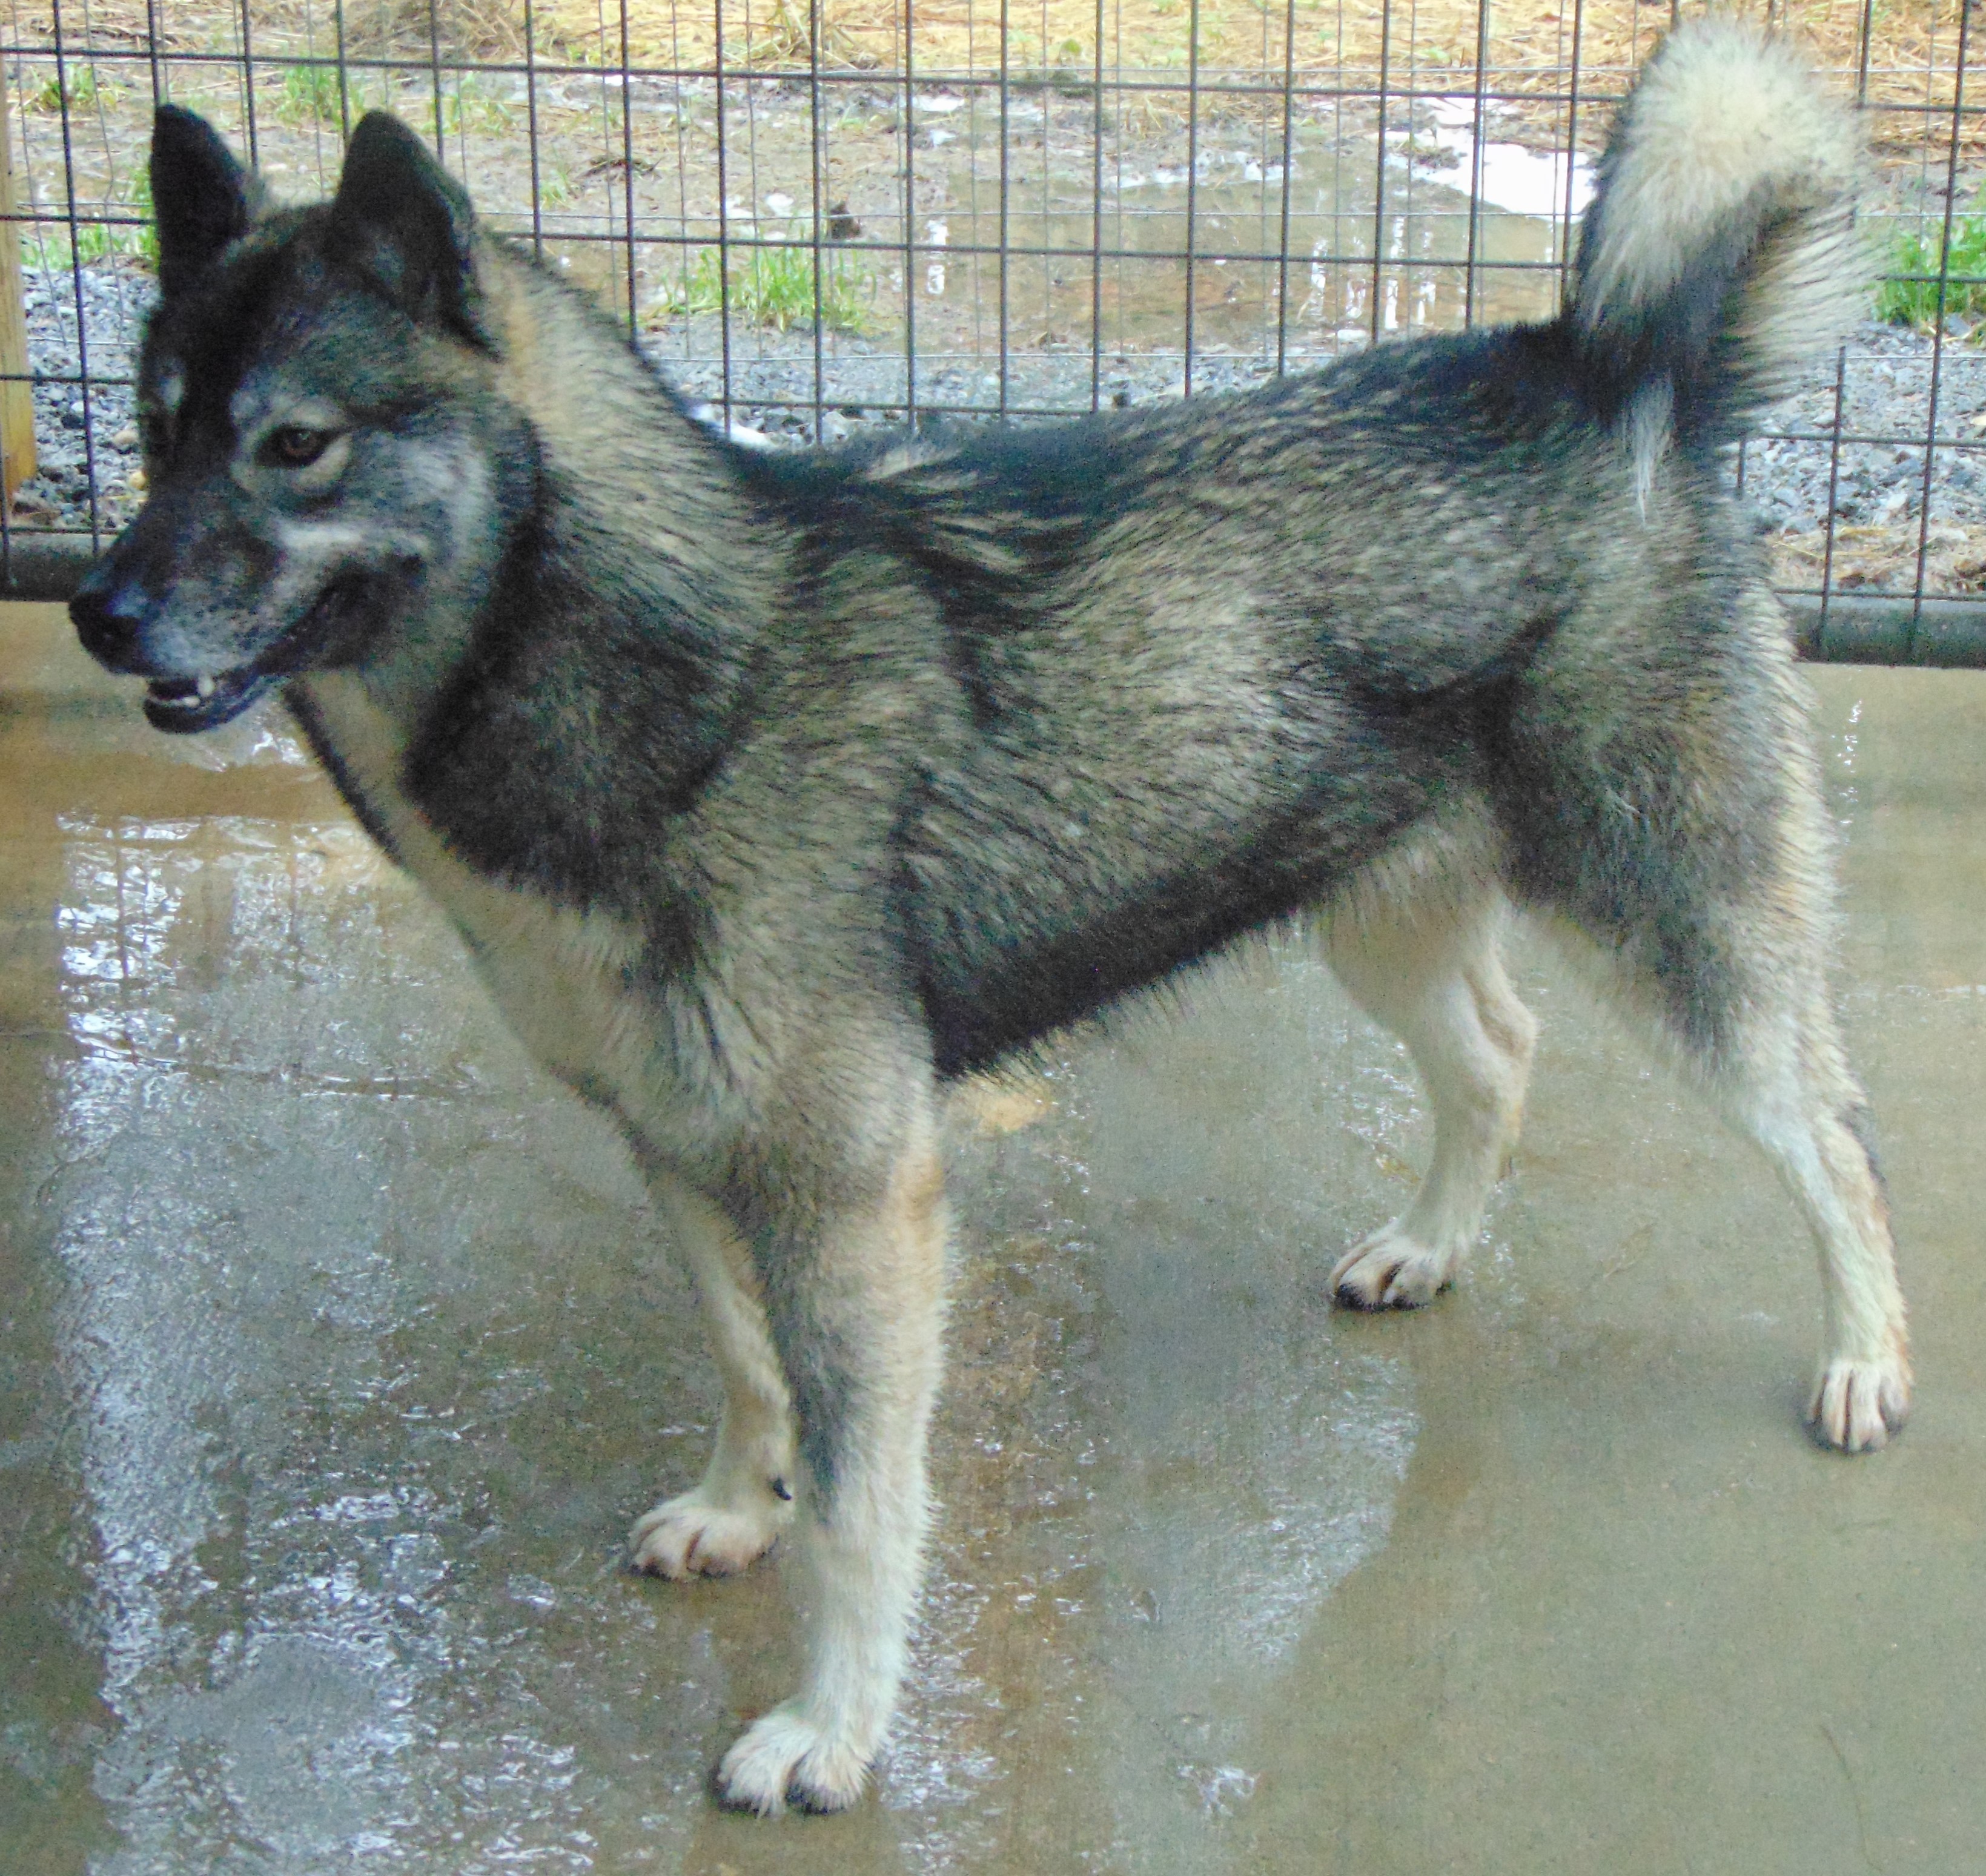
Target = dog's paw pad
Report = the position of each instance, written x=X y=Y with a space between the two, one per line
x=693 y=1535
x=1390 y=1270
x=1859 y=1405
x=784 y=1761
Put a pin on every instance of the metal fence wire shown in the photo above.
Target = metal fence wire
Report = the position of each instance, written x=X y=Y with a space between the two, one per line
x=821 y=214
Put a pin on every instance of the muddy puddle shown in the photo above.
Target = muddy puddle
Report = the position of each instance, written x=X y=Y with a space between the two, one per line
x=1027 y=276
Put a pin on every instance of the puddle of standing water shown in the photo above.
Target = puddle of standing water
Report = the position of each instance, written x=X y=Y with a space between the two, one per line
x=1243 y=220
x=1073 y=261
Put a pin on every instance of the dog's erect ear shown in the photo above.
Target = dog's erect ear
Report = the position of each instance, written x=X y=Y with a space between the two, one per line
x=403 y=220
x=202 y=199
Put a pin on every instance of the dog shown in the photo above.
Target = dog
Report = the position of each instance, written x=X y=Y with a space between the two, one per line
x=773 y=792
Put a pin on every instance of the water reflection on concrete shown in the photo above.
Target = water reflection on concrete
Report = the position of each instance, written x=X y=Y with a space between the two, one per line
x=293 y=1574
x=340 y=1350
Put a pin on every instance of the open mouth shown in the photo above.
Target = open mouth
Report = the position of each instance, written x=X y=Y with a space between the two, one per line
x=185 y=704
x=324 y=633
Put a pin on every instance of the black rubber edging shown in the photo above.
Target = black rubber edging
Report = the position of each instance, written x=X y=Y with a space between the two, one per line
x=1862 y=629
x=44 y=566
x=1856 y=628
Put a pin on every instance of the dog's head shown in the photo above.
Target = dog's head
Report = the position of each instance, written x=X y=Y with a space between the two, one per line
x=322 y=442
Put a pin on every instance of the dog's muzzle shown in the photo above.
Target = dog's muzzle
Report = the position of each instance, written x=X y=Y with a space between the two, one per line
x=109 y=613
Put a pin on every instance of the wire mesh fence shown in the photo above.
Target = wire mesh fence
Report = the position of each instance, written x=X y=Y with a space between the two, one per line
x=821 y=214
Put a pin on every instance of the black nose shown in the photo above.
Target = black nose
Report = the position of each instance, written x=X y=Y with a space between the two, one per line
x=106 y=613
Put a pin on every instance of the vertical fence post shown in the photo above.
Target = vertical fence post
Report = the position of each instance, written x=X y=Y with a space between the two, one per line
x=17 y=396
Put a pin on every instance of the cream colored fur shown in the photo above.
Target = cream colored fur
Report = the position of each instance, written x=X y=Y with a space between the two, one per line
x=1416 y=939
x=1435 y=976
x=1727 y=125
x=863 y=1557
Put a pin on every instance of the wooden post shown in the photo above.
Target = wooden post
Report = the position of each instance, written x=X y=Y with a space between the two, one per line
x=17 y=395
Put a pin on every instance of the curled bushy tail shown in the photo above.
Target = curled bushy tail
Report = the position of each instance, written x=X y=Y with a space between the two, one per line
x=1720 y=253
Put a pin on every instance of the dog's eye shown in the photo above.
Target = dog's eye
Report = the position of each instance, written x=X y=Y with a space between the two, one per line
x=295 y=447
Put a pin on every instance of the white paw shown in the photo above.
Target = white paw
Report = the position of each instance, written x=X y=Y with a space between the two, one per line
x=697 y=1534
x=1857 y=1405
x=1390 y=1270
x=784 y=1759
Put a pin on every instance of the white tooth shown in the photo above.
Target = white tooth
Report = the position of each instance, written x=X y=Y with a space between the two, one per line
x=204 y=687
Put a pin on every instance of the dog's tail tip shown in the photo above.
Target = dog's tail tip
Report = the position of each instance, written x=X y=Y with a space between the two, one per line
x=1720 y=254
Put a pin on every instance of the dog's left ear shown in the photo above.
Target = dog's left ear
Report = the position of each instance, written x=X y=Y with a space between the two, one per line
x=202 y=199
x=403 y=220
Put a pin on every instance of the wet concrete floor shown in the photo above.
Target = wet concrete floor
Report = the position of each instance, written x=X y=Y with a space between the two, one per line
x=337 y=1352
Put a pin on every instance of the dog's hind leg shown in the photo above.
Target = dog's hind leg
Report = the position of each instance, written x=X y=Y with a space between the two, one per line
x=730 y=1518
x=855 y=1300
x=1691 y=846
x=1797 y=1097
x=1428 y=964
x=1762 y=1038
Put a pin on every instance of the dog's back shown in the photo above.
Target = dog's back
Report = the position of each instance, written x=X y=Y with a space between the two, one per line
x=1210 y=659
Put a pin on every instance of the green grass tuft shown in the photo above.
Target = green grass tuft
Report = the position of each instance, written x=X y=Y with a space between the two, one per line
x=774 y=287
x=95 y=241
x=50 y=245
x=84 y=90
x=469 y=108
x=308 y=94
x=1914 y=302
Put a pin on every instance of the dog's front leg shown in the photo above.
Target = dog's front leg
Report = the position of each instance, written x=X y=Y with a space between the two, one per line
x=731 y=1518
x=855 y=1304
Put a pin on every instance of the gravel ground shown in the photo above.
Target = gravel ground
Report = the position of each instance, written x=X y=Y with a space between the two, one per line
x=1877 y=484
x=70 y=440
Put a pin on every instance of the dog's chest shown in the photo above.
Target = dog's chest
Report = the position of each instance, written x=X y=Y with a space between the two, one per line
x=567 y=980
